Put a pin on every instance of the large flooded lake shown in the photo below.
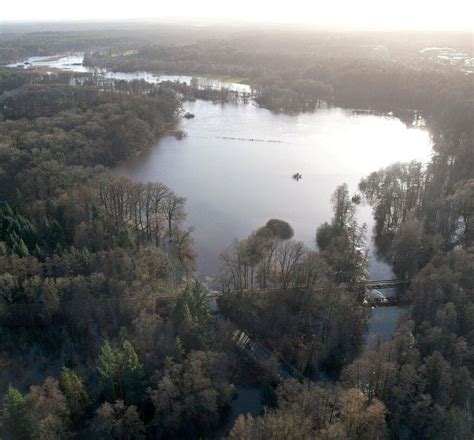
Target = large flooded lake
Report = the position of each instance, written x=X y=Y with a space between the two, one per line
x=235 y=168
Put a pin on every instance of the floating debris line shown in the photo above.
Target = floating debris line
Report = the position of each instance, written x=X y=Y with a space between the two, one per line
x=227 y=138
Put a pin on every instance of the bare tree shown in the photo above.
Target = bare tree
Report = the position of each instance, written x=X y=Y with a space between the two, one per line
x=173 y=210
x=288 y=255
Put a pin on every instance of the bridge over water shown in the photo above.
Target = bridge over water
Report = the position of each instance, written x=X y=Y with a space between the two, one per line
x=265 y=356
x=369 y=285
x=385 y=284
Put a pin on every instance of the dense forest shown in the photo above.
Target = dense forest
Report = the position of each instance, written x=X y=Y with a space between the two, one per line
x=106 y=331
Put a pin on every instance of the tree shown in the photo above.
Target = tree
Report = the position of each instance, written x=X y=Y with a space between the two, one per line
x=246 y=427
x=75 y=393
x=343 y=207
x=361 y=418
x=279 y=229
x=173 y=209
x=394 y=192
x=343 y=242
x=191 y=316
x=15 y=420
x=48 y=410
x=19 y=248
x=463 y=202
x=406 y=248
x=120 y=370
x=289 y=254
x=189 y=397
x=116 y=421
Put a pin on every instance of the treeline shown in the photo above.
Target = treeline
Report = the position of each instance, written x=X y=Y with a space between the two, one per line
x=291 y=71
x=420 y=209
x=151 y=211
x=293 y=95
x=268 y=258
x=195 y=91
x=290 y=74
x=34 y=101
x=46 y=149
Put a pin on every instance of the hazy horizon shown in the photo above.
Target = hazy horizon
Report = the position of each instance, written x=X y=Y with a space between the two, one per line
x=339 y=15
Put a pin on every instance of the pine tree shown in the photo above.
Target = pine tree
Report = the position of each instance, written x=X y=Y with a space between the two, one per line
x=75 y=392
x=20 y=248
x=120 y=370
x=108 y=369
x=15 y=417
x=38 y=252
x=3 y=248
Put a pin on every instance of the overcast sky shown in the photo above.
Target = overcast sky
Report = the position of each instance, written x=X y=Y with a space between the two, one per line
x=398 y=14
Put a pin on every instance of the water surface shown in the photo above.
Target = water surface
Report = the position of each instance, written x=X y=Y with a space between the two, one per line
x=383 y=322
x=235 y=168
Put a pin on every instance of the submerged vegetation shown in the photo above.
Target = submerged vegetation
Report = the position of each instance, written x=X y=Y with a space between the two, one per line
x=106 y=331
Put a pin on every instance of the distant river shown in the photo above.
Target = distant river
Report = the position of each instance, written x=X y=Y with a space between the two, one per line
x=235 y=166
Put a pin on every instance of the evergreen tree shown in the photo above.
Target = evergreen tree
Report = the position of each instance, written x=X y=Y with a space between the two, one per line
x=20 y=248
x=75 y=392
x=120 y=370
x=15 y=417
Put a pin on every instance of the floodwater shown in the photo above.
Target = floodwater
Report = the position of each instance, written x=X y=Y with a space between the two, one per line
x=235 y=168
x=74 y=63
x=383 y=322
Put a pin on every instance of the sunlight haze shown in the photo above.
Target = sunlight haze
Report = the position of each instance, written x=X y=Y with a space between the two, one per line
x=364 y=14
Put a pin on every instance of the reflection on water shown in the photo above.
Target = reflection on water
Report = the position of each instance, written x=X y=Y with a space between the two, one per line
x=235 y=168
x=383 y=322
x=249 y=400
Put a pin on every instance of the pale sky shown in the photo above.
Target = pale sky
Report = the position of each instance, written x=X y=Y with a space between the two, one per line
x=379 y=14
